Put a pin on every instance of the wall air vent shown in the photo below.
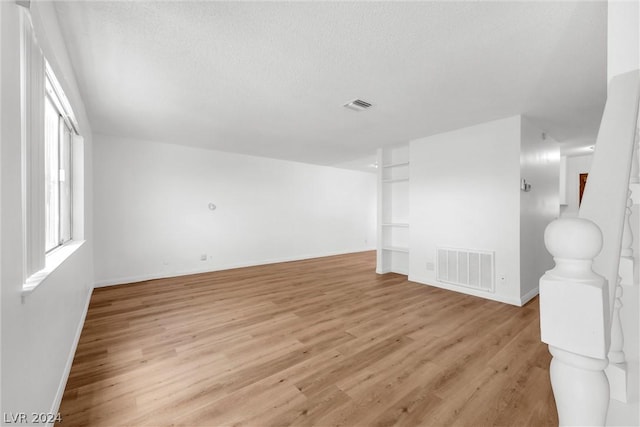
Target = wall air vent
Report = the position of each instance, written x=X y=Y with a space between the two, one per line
x=357 y=105
x=465 y=267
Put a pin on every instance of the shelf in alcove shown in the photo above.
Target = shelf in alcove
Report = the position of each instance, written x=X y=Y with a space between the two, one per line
x=395 y=249
x=394 y=165
x=396 y=224
x=389 y=181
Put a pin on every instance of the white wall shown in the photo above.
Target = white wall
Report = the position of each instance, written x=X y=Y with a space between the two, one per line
x=2 y=135
x=540 y=166
x=623 y=42
x=575 y=166
x=39 y=332
x=465 y=193
x=152 y=219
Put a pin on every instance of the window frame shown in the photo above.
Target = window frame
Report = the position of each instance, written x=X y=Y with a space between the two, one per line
x=67 y=129
x=35 y=71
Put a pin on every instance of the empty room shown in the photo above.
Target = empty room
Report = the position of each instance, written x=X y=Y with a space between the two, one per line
x=219 y=213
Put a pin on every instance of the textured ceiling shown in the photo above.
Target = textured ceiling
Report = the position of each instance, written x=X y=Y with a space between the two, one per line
x=269 y=79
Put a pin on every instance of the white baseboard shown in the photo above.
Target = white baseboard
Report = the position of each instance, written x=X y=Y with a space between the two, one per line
x=529 y=296
x=164 y=275
x=467 y=291
x=67 y=369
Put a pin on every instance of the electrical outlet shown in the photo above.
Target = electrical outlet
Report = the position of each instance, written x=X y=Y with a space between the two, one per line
x=430 y=266
x=203 y=257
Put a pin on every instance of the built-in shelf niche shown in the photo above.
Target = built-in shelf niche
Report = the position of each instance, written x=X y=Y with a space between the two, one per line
x=393 y=210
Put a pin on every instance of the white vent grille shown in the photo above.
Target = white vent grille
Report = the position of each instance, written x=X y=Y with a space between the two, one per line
x=466 y=267
x=358 y=105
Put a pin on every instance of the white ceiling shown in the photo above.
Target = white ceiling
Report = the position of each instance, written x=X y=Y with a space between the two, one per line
x=269 y=79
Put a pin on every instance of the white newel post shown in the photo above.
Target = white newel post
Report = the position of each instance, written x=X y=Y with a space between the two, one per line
x=574 y=322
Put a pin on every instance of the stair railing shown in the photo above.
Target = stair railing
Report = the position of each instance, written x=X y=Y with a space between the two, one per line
x=580 y=297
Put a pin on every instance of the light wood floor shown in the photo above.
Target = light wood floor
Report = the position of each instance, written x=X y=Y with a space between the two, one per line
x=319 y=342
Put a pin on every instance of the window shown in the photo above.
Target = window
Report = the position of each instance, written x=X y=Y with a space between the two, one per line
x=52 y=165
x=58 y=135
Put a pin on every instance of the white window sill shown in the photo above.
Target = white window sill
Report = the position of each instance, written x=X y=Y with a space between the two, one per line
x=54 y=259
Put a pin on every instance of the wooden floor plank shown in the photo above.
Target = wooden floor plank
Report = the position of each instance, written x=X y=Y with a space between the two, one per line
x=317 y=342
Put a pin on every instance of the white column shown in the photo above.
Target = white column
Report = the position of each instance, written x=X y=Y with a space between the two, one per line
x=574 y=321
x=617 y=369
x=616 y=352
x=635 y=164
x=626 y=252
x=634 y=186
x=380 y=268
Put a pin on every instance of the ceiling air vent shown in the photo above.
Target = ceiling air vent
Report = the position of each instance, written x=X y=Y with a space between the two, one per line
x=357 y=105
